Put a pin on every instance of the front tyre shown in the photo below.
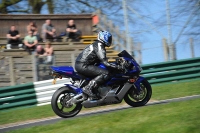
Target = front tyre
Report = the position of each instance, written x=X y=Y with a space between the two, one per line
x=60 y=105
x=135 y=99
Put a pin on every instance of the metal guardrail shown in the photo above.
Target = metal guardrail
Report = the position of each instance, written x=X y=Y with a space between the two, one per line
x=40 y=93
x=44 y=90
x=172 y=71
x=37 y=93
x=19 y=95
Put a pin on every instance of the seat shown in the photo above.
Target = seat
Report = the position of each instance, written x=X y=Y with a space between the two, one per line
x=63 y=68
x=81 y=75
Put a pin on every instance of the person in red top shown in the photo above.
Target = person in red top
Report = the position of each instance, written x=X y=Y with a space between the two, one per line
x=13 y=38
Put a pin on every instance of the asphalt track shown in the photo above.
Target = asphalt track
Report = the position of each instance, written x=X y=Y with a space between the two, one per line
x=56 y=119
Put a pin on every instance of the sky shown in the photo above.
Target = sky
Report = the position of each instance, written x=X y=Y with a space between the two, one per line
x=152 y=48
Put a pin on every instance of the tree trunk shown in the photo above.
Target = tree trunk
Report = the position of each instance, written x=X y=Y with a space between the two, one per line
x=36 y=6
x=50 y=6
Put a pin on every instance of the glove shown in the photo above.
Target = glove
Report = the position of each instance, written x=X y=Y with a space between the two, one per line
x=121 y=68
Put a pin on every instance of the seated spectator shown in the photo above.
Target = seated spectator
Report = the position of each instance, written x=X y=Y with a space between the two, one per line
x=48 y=31
x=72 y=32
x=13 y=38
x=30 y=42
x=33 y=27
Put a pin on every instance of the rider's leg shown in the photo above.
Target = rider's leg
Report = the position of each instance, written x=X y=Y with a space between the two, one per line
x=101 y=75
x=95 y=83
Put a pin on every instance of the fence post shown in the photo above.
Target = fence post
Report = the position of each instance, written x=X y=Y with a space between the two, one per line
x=139 y=47
x=54 y=60
x=34 y=68
x=192 y=47
x=117 y=38
x=165 y=49
x=11 y=69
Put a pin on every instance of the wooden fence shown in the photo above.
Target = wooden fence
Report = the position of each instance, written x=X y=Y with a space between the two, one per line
x=16 y=70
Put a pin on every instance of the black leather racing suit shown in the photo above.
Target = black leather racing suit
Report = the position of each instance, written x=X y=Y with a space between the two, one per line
x=94 y=53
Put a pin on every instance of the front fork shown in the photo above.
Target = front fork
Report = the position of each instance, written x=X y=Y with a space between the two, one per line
x=136 y=83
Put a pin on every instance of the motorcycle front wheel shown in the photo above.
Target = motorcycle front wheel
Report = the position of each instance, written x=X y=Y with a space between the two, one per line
x=136 y=99
x=60 y=105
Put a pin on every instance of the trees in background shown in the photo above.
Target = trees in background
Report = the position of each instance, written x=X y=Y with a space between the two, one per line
x=181 y=12
x=25 y=6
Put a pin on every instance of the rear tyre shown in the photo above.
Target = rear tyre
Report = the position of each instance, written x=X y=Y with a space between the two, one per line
x=60 y=105
x=139 y=99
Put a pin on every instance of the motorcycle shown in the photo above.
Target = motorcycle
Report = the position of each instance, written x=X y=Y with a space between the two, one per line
x=68 y=100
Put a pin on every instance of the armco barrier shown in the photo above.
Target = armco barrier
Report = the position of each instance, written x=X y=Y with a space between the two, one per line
x=19 y=95
x=44 y=89
x=172 y=71
x=40 y=93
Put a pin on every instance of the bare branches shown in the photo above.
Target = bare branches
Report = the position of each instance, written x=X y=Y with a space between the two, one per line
x=5 y=4
x=25 y=6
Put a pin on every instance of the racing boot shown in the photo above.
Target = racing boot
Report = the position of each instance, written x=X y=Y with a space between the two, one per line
x=88 y=89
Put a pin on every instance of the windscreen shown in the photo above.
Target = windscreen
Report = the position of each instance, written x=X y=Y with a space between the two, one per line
x=125 y=54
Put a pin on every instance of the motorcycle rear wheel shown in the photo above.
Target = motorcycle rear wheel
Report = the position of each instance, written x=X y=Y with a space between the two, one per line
x=60 y=106
x=135 y=100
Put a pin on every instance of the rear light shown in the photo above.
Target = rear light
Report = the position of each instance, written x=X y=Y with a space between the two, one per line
x=131 y=80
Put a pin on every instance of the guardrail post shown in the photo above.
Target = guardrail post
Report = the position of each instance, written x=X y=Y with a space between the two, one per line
x=11 y=69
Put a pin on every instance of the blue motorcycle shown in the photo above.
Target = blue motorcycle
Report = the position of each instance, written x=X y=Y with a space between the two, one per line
x=68 y=100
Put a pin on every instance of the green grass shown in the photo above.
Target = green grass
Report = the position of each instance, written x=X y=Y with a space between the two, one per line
x=179 y=117
x=159 y=92
x=180 y=89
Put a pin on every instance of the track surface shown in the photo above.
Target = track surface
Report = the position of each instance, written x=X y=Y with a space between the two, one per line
x=56 y=119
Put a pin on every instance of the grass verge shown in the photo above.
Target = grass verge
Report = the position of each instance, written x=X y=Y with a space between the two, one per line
x=179 y=117
x=159 y=92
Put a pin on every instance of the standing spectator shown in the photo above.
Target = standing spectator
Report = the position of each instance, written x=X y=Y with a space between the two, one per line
x=30 y=42
x=49 y=52
x=33 y=27
x=40 y=52
x=48 y=31
x=71 y=30
x=13 y=38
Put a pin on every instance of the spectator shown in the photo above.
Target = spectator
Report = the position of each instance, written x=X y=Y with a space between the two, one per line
x=13 y=38
x=48 y=31
x=30 y=42
x=48 y=52
x=33 y=27
x=40 y=52
x=71 y=31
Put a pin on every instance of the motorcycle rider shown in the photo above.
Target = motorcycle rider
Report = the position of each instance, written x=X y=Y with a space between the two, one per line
x=95 y=53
